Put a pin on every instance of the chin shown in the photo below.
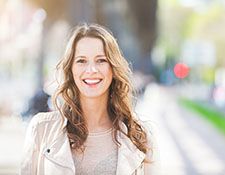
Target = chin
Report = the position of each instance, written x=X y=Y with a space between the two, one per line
x=94 y=95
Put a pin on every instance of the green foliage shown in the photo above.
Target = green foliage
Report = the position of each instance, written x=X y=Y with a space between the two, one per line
x=211 y=114
x=208 y=74
x=200 y=21
x=178 y=23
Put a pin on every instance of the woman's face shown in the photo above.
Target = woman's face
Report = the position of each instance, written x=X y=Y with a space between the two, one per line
x=91 y=69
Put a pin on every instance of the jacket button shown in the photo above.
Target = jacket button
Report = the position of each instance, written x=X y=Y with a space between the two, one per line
x=48 y=150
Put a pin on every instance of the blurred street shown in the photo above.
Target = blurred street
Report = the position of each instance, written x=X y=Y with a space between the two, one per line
x=187 y=144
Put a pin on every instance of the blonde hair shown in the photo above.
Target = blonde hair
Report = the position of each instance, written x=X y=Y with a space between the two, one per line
x=120 y=106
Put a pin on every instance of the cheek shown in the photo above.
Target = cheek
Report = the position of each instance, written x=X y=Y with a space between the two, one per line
x=106 y=70
x=76 y=77
x=76 y=72
x=109 y=73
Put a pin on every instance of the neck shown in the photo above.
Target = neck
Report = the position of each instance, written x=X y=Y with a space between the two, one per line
x=96 y=114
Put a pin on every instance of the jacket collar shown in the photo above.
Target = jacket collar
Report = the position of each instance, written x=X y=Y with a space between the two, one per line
x=129 y=156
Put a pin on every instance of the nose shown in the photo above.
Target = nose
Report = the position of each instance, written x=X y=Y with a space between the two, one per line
x=91 y=68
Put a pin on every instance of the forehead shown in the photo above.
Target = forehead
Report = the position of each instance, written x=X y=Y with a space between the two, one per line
x=89 y=45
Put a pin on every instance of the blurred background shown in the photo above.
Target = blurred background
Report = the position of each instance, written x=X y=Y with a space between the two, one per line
x=176 y=50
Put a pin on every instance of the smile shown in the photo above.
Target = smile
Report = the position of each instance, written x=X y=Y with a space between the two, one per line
x=92 y=81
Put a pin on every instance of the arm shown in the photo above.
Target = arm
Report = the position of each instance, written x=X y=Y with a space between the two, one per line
x=31 y=149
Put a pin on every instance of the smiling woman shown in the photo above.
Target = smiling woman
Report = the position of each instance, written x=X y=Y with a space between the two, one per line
x=94 y=130
x=91 y=69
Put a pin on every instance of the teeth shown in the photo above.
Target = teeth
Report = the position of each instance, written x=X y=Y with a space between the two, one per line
x=92 y=81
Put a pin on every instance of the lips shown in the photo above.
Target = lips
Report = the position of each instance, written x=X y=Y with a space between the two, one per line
x=92 y=81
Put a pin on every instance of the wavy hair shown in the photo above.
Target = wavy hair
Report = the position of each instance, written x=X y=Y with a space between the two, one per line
x=119 y=106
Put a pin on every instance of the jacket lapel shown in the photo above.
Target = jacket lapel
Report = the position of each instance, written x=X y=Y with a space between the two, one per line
x=129 y=156
x=59 y=151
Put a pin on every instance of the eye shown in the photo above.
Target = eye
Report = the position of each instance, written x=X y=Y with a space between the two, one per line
x=101 y=60
x=81 y=61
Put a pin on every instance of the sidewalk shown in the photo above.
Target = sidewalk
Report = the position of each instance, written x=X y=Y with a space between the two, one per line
x=188 y=145
x=12 y=138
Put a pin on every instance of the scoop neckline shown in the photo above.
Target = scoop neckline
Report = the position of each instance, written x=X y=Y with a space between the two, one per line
x=99 y=133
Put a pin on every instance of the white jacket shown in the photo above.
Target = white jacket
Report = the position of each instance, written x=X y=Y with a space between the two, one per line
x=47 y=150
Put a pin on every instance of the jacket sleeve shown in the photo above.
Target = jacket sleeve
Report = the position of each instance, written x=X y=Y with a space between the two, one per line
x=31 y=149
x=154 y=167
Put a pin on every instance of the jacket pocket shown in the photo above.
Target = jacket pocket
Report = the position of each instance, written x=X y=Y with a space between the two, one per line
x=52 y=166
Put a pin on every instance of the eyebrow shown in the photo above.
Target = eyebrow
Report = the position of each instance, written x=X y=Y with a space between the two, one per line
x=81 y=56
x=100 y=56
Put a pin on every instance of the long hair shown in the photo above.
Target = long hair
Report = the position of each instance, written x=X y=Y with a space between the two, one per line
x=119 y=105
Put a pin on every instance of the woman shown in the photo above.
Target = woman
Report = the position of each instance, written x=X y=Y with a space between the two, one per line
x=95 y=130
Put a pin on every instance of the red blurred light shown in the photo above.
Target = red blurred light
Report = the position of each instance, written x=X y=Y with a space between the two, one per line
x=181 y=70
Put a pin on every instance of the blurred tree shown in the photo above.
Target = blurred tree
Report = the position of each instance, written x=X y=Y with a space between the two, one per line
x=198 y=24
x=143 y=15
x=141 y=18
x=55 y=9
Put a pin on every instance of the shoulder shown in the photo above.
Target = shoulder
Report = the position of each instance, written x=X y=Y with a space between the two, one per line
x=46 y=121
x=46 y=118
x=45 y=127
x=42 y=129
